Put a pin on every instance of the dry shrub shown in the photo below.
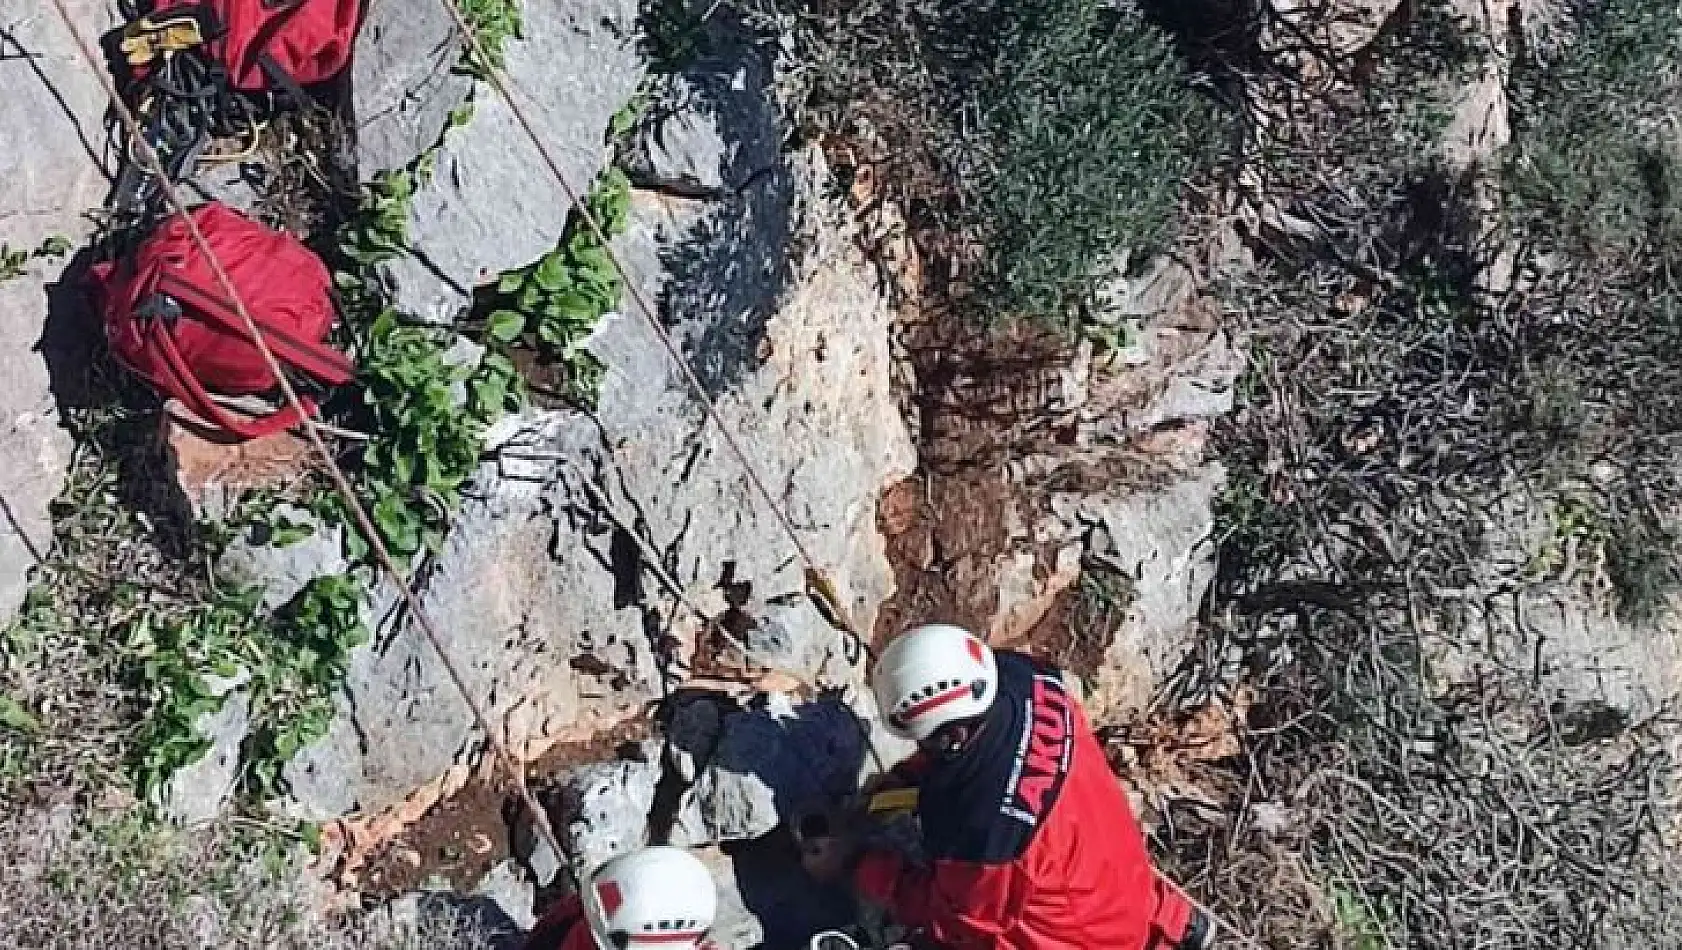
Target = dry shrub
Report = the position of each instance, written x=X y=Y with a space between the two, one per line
x=67 y=884
x=1391 y=415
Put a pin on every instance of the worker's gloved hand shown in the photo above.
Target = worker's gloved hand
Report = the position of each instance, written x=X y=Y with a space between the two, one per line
x=830 y=858
x=883 y=782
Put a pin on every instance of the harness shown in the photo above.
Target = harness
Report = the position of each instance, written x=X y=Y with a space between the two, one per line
x=181 y=91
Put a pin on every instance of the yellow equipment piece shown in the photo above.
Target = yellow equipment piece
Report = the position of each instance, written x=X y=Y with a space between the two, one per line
x=893 y=803
x=145 y=39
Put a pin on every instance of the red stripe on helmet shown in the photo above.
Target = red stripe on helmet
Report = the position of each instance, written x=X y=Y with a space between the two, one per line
x=611 y=899
x=680 y=937
x=935 y=702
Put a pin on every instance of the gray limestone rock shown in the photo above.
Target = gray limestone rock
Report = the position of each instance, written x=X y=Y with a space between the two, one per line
x=769 y=767
x=734 y=926
x=1159 y=539
x=691 y=735
x=712 y=127
x=548 y=618
x=51 y=172
x=512 y=894
x=609 y=803
x=534 y=851
x=326 y=778
x=491 y=204
x=284 y=570
x=195 y=794
x=404 y=82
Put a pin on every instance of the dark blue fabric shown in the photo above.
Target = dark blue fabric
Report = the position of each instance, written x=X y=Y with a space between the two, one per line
x=969 y=807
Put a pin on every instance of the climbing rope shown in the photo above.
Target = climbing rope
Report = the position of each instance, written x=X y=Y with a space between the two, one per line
x=341 y=484
x=818 y=585
x=652 y=560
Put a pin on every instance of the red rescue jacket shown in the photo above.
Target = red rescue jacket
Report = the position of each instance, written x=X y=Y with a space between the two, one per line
x=562 y=927
x=1032 y=843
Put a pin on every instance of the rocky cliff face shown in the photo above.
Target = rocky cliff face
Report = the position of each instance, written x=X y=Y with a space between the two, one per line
x=53 y=170
x=537 y=589
x=756 y=269
x=755 y=264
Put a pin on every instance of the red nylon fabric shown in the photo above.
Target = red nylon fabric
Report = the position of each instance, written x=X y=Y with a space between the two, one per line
x=310 y=39
x=1084 y=883
x=283 y=285
x=562 y=927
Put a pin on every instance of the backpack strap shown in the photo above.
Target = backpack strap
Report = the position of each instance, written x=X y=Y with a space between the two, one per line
x=199 y=401
x=319 y=361
x=283 y=80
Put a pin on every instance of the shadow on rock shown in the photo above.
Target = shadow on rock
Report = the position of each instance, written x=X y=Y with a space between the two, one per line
x=72 y=343
x=103 y=406
x=714 y=136
x=775 y=889
x=728 y=276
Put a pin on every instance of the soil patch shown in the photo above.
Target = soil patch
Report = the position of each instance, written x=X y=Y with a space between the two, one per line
x=463 y=837
x=459 y=840
x=943 y=535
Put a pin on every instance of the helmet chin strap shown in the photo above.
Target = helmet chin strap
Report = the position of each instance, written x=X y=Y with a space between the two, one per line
x=951 y=742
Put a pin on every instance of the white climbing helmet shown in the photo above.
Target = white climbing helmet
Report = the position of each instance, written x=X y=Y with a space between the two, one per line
x=653 y=898
x=934 y=675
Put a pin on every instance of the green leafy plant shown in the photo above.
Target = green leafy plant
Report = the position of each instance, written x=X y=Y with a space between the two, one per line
x=380 y=229
x=428 y=417
x=494 y=23
x=171 y=661
x=629 y=114
x=288 y=666
x=14 y=262
x=554 y=303
x=292 y=694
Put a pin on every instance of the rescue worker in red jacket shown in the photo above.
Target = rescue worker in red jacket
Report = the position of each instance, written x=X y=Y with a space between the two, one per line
x=1030 y=840
x=655 y=899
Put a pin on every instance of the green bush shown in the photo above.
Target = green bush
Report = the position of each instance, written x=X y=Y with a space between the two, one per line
x=1594 y=166
x=1090 y=126
x=1029 y=142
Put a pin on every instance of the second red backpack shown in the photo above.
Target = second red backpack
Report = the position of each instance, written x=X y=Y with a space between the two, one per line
x=167 y=319
x=262 y=44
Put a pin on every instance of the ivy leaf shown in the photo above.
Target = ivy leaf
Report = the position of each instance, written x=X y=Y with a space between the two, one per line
x=285 y=532
x=557 y=333
x=400 y=185
x=13 y=716
x=511 y=281
x=398 y=524
x=577 y=309
x=552 y=274
x=55 y=246
x=505 y=326
x=530 y=296
x=625 y=119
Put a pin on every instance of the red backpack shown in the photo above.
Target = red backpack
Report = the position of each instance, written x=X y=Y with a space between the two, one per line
x=198 y=69
x=261 y=44
x=167 y=320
